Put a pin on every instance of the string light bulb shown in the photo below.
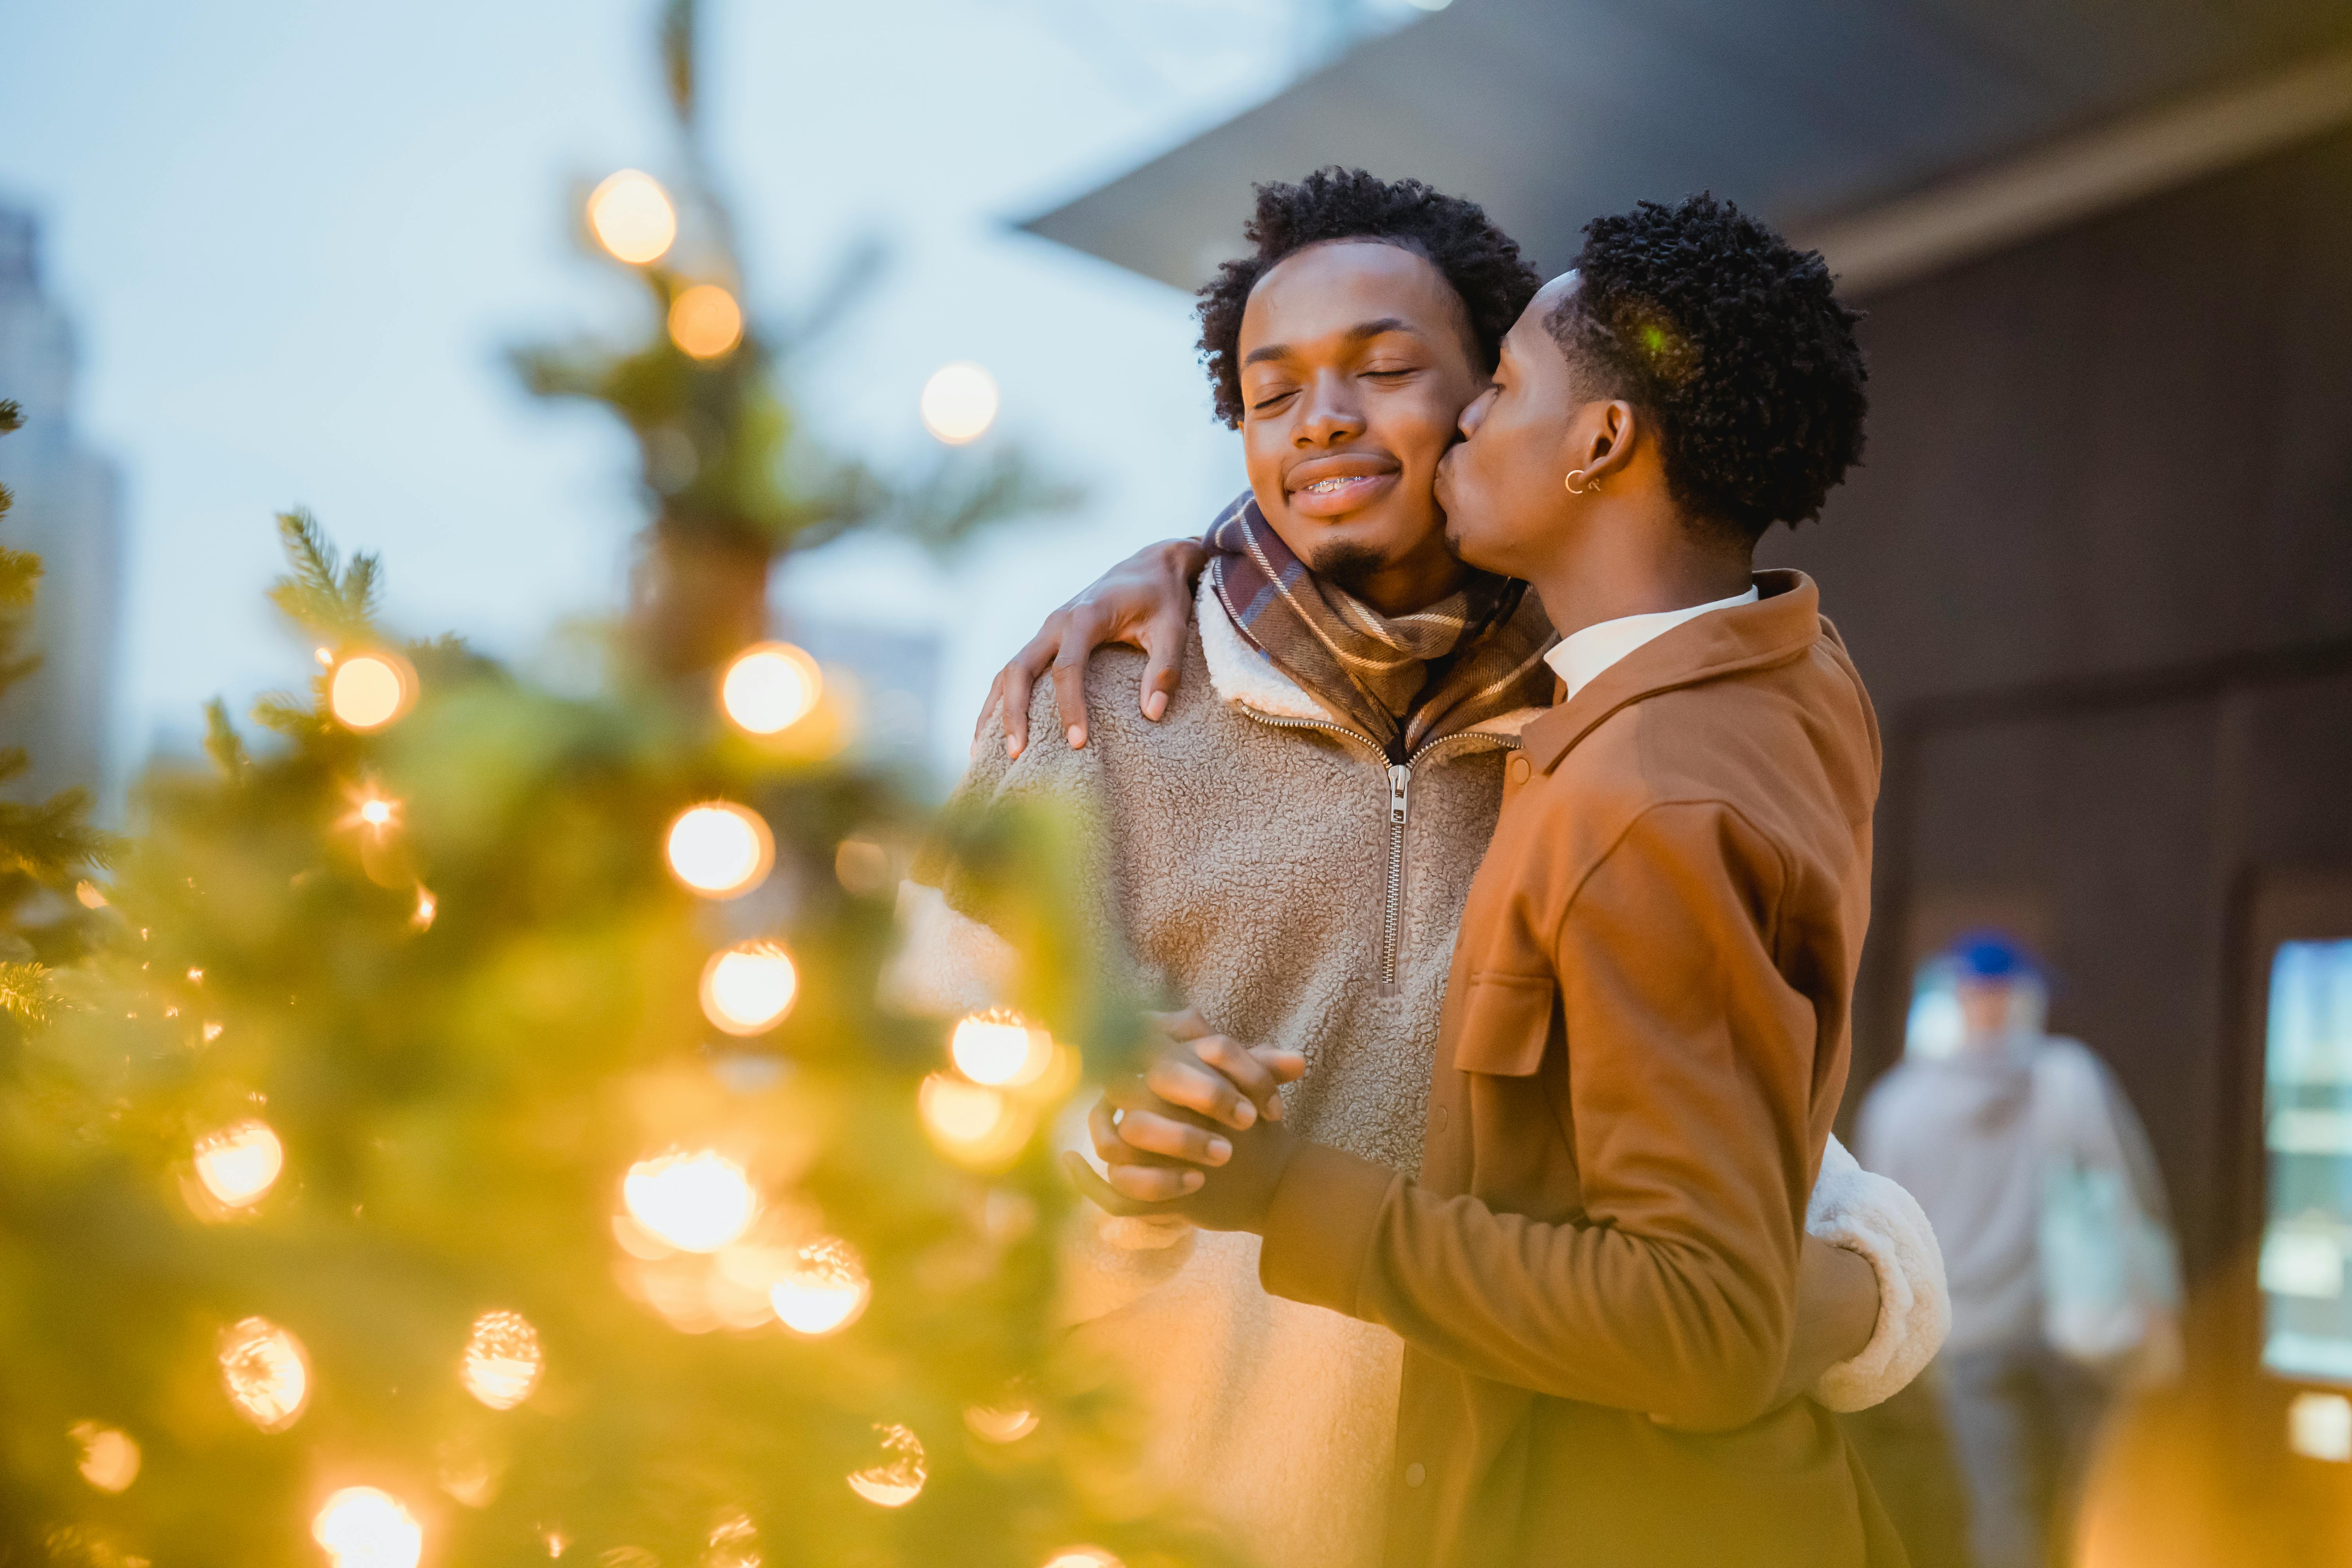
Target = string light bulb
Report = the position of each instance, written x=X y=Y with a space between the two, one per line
x=972 y=1124
x=632 y=218
x=747 y=988
x=239 y=1164
x=502 y=1361
x=958 y=402
x=998 y=1049
x=368 y=691
x=824 y=1291
x=705 y=322
x=1000 y=1422
x=721 y=849
x=695 y=1203
x=898 y=1480
x=769 y=687
x=364 y=1527
x=110 y=1458
x=266 y=1371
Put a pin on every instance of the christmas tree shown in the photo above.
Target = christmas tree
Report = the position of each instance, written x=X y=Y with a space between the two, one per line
x=463 y=1128
x=47 y=849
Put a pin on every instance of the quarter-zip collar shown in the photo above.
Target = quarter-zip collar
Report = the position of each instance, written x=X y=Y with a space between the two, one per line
x=1243 y=677
x=1779 y=626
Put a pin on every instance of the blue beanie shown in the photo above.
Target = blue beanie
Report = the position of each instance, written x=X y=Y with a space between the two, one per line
x=1992 y=955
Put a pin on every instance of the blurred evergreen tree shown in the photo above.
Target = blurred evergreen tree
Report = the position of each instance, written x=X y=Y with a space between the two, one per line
x=47 y=849
x=472 y=1135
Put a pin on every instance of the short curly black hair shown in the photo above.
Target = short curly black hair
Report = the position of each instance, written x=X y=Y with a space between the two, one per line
x=1736 y=343
x=1455 y=236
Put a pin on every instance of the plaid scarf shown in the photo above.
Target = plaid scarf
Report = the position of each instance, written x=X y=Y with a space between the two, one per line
x=1404 y=680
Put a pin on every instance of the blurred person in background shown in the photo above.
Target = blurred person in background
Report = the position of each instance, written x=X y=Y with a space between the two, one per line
x=2051 y=1212
x=1286 y=844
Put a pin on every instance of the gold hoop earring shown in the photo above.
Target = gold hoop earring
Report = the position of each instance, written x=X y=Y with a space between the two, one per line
x=1592 y=487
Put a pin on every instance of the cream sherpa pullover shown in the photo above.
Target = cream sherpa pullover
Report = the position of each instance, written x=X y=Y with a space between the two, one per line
x=1248 y=858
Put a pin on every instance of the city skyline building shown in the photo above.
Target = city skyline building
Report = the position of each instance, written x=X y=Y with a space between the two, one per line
x=68 y=510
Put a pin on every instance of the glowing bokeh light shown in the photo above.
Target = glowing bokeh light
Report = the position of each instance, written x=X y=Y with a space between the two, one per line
x=502 y=1361
x=369 y=690
x=1083 y=1557
x=825 y=1290
x=427 y=907
x=721 y=849
x=632 y=218
x=1000 y=1422
x=266 y=1371
x=746 y=989
x=695 y=1203
x=705 y=322
x=734 y=1543
x=972 y=1124
x=769 y=687
x=239 y=1164
x=958 y=402
x=898 y=1480
x=362 y=1527
x=997 y=1049
x=86 y=895
x=110 y=1458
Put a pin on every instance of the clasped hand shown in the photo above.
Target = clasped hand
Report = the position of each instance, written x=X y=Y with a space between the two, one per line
x=1198 y=1132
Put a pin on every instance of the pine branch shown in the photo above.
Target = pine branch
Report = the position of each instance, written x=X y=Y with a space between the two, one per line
x=321 y=594
x=52 y=841
x=20 y=572
x=221 y=743
x=286 y=715
x=678 y=28
x=12 y=415
x=25 y=992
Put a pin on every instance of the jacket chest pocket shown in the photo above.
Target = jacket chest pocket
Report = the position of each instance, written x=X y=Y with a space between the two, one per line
x=1505 y=1026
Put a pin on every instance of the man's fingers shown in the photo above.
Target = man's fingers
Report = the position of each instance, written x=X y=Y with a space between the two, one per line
x=1164 y=638
x=1020 y=678
x=1164 y=1135
x=995 y=699
x=1155 y=1184
x=1102 y=1131
x=1107 y=1128
x=1187 y=1025
x=1287 y=1066
x=1110 y=1200
x=1246 y=1073
x=1194 y=1087
x=1080 y=636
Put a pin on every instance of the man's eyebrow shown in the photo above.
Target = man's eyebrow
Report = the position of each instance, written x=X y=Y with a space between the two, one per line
x=1360 y=332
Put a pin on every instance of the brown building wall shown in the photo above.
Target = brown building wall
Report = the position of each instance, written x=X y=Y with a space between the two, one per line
x=2098 y=572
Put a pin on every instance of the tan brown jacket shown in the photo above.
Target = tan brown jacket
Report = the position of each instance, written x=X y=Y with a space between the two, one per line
x=1645 y=1039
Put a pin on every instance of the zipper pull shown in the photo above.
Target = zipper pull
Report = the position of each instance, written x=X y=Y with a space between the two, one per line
x=1399 y=777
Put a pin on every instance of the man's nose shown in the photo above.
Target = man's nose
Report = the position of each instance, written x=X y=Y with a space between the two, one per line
x=1332 y=414
x=1476 y=414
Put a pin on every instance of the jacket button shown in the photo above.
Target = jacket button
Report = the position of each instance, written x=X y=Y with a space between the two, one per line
x=1439 y=1116
x=1520 y=770
x=1414 y=1475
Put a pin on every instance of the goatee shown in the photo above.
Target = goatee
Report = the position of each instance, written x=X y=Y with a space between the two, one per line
x=1348 y=566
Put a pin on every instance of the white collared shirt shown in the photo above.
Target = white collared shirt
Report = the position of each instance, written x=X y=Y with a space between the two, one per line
x=1580 y=656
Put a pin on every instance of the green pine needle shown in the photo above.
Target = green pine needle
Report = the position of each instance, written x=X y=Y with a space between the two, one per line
x=50 y=841
x=20 y=573
x=25 y=992
x=221 y=743
x=321 y=594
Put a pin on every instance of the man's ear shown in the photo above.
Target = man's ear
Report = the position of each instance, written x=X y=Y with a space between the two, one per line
x=1601 y=436
x=1616 y=428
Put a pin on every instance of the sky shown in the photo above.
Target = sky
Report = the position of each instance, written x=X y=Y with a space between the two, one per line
x=296 y=239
